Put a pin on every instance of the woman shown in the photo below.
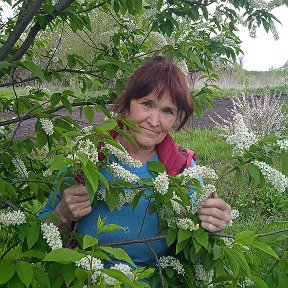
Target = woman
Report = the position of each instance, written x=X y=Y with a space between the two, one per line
x=156 y=98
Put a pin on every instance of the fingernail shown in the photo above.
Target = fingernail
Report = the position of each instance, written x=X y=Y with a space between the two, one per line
x=203 y=203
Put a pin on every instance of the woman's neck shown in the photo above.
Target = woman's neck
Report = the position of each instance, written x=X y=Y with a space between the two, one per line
x=140 y=153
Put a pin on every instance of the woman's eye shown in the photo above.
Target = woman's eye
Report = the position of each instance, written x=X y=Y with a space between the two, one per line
x=146 y=104
x=169 y=112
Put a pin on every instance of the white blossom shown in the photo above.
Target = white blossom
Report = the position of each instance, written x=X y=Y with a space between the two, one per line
x=273 y=176
x=175 y=204
x=124 y=198
x=240 y=136
x=234 y=215
x=12 y=218
x=187 y=224
x=207 y=190
x=88 y=148
x=52 y=235
x=2 y=130
x=182 y=65
x=197 y=172
x=283 y=144
x=47 y=173
x=123 y=156
x=20 y=166
x=161 y=183
x=170 y=261
x=246 y=283
x=125 y=269
x=202 y=275
x=86 y=130
x=47 y=126
x=121 y=172
x=90 y=263
x=228 y=241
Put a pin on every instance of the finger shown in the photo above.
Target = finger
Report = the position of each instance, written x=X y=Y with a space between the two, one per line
x=221 y=225
x=213 y=195
x=209 y=227
x=215 y=202
x=79 y=213
x=221 y=215
x=78 y=190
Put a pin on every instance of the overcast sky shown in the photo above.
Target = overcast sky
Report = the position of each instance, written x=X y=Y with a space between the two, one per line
x=262 y=52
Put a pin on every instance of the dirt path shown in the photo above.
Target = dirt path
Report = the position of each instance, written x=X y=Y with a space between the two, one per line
x=221 y=107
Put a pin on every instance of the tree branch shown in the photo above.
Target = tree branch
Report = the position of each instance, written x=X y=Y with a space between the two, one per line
x=29 y=116
x=19 y=29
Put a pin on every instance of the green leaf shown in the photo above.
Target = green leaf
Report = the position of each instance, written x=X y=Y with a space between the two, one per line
x=159 y=4
x=284 y=161
x=25 y=272
x=71 y=61
x=60 y=162
x=201 y=236
x=232 y=261
x=242 y=261
x=33 y=254
x=183 y=235
x=109 y=125
x=171 y=236
x=7 y=189
x=254 y=173
x=33 y=235
x=35 y=69
x=120 y=277
x=89 y=113
x=89 y=241
x=7 y=270
x=112 y=198
x=245 y=237
x=110 y=228
x=260 y=283
x=64 y=255
x=69 y=273
x=92 y=179
x=180 y=246
x=119 y=254
x=67 y=104
x=265 y=248
x=156 y=166
x=41 y=277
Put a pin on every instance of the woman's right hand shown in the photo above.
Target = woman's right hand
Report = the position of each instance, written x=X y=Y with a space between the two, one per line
x=74 y=205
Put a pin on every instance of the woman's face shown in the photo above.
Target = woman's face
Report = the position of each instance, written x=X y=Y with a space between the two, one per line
x=154 y=118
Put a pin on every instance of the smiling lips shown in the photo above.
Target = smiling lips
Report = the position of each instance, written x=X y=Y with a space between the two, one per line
x=149 y=130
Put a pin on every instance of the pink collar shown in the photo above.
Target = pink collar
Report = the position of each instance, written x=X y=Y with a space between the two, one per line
x=168 y=154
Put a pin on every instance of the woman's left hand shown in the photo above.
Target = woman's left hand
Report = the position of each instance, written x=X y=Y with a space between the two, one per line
x=215 y=214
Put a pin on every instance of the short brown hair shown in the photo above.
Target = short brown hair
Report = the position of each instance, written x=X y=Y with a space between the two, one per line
x=159 y=75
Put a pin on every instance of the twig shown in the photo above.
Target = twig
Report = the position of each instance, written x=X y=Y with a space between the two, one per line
x=10 y=204
x=157 y=262
x=143 y=220
x=135 y=241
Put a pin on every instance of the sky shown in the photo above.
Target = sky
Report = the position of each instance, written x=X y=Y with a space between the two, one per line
x=261 y=53
x=264 y=52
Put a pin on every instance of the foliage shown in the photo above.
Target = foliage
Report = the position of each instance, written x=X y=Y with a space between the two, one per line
x=61 y=154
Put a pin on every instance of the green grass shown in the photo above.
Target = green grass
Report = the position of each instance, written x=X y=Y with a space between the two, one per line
x=257 y=207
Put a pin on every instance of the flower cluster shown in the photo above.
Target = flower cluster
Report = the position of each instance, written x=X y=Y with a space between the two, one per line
x=20 y=166
x=283 y=144
x=170 y=261
x=47 y=173
x=234 y=215
x=12 y=218
x=175 y=204
x=2 y=130
x=202 y=275
x=227 y=241
x=47 y=126
x=186 y=224
x=161 y=183
x=124 y=198
x=121 y=172
x=90 y=263
x=240 y=136
x=197 y=172
x=125 y=269
x=207 y=191
x=123 y=156
x=86 y=130
x=52 y=235
x=273 y=176
x=88 y=148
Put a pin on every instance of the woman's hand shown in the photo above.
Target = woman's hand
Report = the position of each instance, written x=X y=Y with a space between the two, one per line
x=215 y=214
x=74 y=205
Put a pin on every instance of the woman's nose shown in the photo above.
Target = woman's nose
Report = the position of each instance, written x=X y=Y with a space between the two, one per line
x=154 y=118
